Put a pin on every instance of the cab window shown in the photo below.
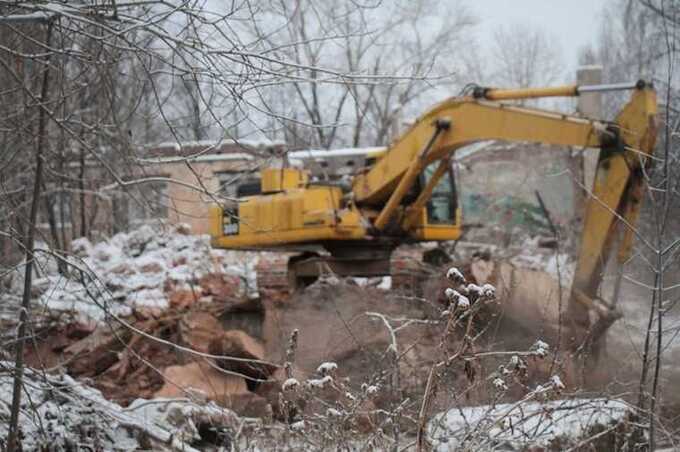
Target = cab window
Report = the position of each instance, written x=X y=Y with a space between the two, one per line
x=441 y=209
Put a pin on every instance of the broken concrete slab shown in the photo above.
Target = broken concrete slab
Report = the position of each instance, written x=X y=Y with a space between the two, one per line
x=240 y=345
x=201 y=379
x=197 y=329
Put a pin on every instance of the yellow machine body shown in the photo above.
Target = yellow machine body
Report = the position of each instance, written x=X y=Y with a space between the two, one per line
x=274 y=180
x=304 y=215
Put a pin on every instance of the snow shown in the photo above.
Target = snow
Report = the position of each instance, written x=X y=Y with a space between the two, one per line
x=556 y=381
x=290 y=384
x=251 y=143
x=182 y=417
x=130 y=271
x=332 y=412
x=460 y=301
x=370 y=390
x=298 y=426
x=474 y=290
x=560 y=265
x=59 y=413
x=320 y=383
x=348 y=152
x=499 y=384
x=540 y=348
x=489 y=291
x=199 y=158
x=521 y=424
x=463 y=302
x=379 y=282
x=385 y=283
x=327 y=368
x=36 y=17
x=455 y=275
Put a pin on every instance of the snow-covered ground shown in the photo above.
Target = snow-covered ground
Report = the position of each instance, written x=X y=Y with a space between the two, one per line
x=521 y=425
x=59 y=413
x=625 y=340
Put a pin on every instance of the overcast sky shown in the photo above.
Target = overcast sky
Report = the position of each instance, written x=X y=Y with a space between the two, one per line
x=574 y=22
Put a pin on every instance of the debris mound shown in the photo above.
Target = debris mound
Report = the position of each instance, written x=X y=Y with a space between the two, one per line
x=61 y=413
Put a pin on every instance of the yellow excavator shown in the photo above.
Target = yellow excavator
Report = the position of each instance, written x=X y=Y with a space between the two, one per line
x=407 y=194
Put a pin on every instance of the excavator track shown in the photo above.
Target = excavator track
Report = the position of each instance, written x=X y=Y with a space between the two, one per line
x=279 y=277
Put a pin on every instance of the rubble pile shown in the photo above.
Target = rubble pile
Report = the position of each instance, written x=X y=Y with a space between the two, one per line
x=530 y=425
x=61 y=413
x=147 y=313
x=170 y=356
x=165 y=316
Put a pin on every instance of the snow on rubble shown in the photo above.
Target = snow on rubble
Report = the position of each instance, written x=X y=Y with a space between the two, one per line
x=135 y=270
x=526 y=254
x=522 y=424
x=561 y=265
x=61 y=413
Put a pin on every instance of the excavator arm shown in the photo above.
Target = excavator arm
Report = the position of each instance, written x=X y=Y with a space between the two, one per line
x=625 y=144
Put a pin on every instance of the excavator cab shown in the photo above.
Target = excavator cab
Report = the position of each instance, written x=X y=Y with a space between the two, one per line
x=439 y=217
x=442 y=206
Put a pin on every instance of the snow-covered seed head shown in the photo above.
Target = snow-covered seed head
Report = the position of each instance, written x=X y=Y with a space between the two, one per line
x=556 y=383
x=540 y=349
x=474 y=291
x=489 y=291
x=517 y=364
x=456 y=299
x=370 y=390
x=298 y=426
x=463 y=302
x=332 y=412
x=455 y=275
x=327 y=368
x=290 y=385
x=499 y=384
x=320 y=383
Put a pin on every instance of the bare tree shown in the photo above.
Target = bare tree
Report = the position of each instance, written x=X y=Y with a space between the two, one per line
x=640 y=39
x=387 y=39
x=525 y=56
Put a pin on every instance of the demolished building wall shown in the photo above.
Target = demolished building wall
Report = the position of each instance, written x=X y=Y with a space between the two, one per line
x=498 y=184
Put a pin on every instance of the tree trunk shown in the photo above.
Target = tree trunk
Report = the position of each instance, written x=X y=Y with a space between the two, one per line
x=29 y=242
x=81 y=186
